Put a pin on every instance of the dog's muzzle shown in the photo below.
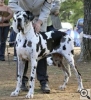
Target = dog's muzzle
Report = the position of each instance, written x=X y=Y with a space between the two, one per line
x=19 y=24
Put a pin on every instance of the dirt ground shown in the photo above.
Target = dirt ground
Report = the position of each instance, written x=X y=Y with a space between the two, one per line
x=8 y=81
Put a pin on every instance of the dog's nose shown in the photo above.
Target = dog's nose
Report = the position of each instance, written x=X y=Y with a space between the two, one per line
x=19 y=19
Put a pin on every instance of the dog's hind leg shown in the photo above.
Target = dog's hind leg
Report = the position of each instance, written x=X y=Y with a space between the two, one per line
x=70 y=60
x=21 y=65
x=58 y=61
x=66 y=77
x=69 y=70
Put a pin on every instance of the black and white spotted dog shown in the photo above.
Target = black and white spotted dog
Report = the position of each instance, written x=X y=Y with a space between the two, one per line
x=32 y=47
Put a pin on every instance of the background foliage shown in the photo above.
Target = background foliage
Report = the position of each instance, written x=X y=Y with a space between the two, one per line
x=71 y=10
x=6 y=1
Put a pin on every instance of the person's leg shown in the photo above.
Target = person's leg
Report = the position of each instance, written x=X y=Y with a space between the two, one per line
x=26 y=69
x=15 y=54
x=11 y=38
x=42 y=75
x=4 y=34
x=14 y=51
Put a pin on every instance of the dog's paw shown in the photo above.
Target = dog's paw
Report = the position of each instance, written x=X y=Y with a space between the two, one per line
x=28 y=96
x=13 y=94
x=62 y=87
x=79 y=89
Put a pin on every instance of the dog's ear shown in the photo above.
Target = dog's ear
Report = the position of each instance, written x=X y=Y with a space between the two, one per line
x=30 y=15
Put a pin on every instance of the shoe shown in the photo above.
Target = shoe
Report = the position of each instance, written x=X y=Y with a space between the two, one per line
x=24 y=87
x=2 y=59
x=15 y=58
x=45 y=88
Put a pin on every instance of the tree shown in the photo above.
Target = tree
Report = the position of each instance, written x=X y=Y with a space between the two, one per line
x=86 y=50
x=71 y=10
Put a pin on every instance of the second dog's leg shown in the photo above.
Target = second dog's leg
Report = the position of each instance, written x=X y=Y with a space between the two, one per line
x=66 y=75
x=69 y=70
x=78 y=75
x=21 y=65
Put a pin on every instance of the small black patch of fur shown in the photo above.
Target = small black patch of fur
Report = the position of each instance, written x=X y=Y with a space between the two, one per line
x=41 y=53
x=64 y=47
x=24 y=45
x=31 y=79
x=29 y=43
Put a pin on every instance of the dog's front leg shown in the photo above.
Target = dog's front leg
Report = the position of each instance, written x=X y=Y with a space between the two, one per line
x=32 y=78
x=21 y=65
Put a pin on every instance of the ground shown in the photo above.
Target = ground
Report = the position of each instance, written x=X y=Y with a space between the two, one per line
x=8 y=81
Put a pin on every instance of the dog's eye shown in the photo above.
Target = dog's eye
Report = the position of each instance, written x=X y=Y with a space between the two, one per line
x=25 y=16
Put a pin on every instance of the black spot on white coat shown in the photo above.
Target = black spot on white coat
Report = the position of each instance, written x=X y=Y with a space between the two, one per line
x=29 y=44
x=64 y=47
x=31 y=79
x=24 y=45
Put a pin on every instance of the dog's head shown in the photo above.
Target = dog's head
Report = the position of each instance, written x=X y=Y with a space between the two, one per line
x=21 y=20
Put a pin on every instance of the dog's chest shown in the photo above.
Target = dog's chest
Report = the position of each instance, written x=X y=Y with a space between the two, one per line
x=25 y=46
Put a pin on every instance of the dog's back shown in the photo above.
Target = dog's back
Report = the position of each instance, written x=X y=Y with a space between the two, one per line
x=55 y=41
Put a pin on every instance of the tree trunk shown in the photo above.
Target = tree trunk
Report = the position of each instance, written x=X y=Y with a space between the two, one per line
x=86 y=49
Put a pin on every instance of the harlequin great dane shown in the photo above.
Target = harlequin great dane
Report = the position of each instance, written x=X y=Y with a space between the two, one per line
x=34 y=46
